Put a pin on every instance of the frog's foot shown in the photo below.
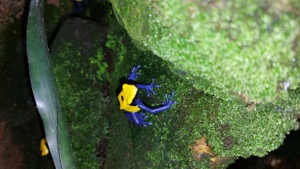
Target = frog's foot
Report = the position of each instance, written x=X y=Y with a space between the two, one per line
x=144 y=117
x=148 y=87
x=153 y=110
x=138 y=119
x=169 y=102
x=134 y=74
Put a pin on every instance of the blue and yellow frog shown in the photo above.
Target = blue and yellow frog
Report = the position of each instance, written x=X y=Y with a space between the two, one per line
x=129 y=99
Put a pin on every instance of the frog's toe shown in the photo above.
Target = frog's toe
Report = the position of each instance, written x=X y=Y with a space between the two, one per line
x=147 y=123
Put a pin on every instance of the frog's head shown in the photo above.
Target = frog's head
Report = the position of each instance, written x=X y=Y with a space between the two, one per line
x=127 y=96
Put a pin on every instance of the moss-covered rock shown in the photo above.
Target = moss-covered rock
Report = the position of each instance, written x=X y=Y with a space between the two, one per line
x=220 y=114
x=241 y=48
x=227 y=70
x=78 y=59
x=232 y=128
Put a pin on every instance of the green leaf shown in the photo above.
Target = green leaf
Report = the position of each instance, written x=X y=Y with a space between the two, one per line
x=44 y=88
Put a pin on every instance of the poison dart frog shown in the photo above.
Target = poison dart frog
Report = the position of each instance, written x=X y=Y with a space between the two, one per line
x=43 y=147
x=129 y=99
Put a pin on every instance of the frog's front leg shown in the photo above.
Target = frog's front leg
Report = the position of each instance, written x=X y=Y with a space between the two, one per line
x=137 y=118
x=134 y=74
x=148 y=87
x=167 y=105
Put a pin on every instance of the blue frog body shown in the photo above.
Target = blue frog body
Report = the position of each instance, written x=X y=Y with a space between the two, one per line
x=129 y=99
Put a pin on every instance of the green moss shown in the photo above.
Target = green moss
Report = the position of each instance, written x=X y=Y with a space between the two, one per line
x=241 y=48
x=101 y=65
x=82 y=78
x=84 y=104
x=232 y=128
x=137 y=26
x=217 y=111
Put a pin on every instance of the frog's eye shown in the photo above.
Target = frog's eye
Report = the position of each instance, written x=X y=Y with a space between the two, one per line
x=122 y=98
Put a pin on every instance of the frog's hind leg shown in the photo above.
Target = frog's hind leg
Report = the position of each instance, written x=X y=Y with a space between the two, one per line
x=138 y=118
x=153 y=110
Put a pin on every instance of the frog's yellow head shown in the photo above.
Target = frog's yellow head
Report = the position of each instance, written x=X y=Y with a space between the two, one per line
x=126 y=97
